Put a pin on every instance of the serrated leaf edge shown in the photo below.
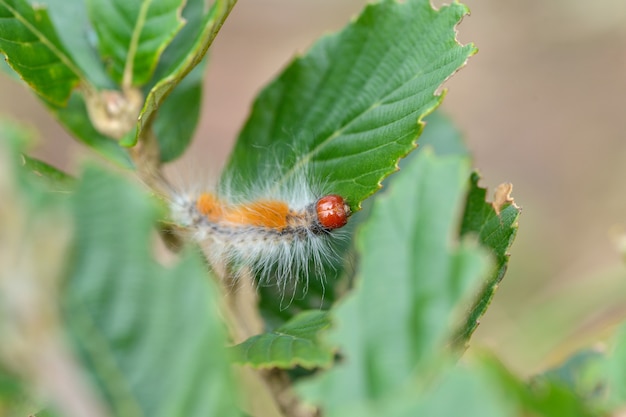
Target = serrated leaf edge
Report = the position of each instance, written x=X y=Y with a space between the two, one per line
x=304 y=160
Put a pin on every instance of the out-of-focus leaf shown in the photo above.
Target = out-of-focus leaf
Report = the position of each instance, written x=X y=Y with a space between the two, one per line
x=412 y=279
x=133 y=34
x=14 y=397
x=481 y=388
x=542 y=398
x=34 y=51
x=351 y=107
x=461 y=391
x=35 y=234
x=150 y=337
x=441 y=134
x=292 y=344
x=615 y=371
x=582 y=374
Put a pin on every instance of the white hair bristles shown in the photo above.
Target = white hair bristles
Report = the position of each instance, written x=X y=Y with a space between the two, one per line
x=282 y=234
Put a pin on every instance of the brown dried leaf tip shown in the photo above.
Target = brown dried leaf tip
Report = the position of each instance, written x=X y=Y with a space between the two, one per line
x=502 y=197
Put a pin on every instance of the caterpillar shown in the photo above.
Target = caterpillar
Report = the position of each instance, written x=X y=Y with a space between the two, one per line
x=280 y=233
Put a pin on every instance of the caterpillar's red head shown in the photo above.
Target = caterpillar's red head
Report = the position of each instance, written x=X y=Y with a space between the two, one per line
x=332 y=211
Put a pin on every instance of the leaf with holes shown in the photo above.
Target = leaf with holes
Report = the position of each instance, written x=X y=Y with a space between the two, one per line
x=495 y=227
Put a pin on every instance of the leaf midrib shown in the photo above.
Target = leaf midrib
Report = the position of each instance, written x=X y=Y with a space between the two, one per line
x=306 y=158
x=127 y=78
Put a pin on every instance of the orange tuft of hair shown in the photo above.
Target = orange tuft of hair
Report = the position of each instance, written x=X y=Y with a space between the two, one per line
x=209 y=206
x=264 y=213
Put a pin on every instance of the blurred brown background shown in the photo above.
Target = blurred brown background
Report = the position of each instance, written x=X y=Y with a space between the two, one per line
x=542 y=105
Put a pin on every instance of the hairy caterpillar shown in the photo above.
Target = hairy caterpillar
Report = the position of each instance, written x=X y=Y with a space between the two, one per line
x=281 y=233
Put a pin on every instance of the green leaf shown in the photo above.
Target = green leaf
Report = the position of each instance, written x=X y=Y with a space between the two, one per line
x=478 y=387
x=75 y=118
x=351 y=107
x=581 y=374
x=462 y=391
x=198 y=18
x=540 y=398
x=292 y=344
x=496 y=231
x=458 y=391
x=412 y=279
x=34 y=51
x=184 y=53
x=150 y=337
x=133 y=34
